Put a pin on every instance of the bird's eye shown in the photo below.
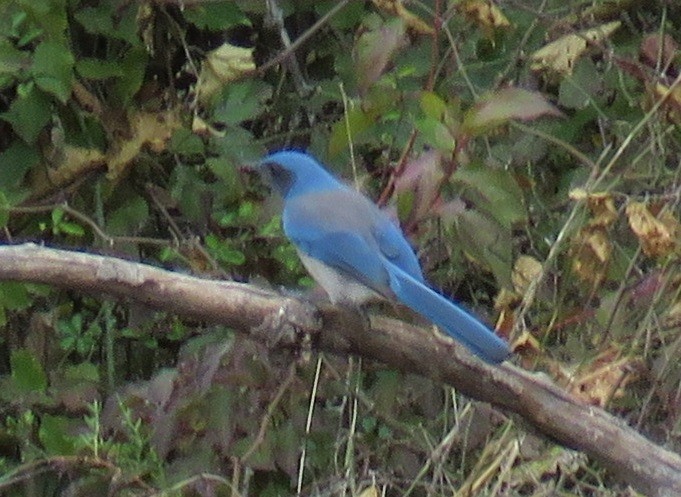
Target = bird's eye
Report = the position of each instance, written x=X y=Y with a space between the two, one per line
x=281 y=177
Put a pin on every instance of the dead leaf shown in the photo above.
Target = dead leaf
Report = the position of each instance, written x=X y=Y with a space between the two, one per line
x=142 y=129
x=525 y=270
x=591 y=252
x=73 y=163
x=658 y=52
x=672 y=318
x=506 y=299
x=485 y=14
x=601 y=205
x=374 y=50
x=412 y=21
x=371 y=491
x=223 y=65
x=421 y=178
x=658 y=235
x=527 y=345
x=505 y=303
x=545 y=466
x=591 y=247
x=672 y=100
x=559 y=56
x=605 y=379
x=86 y=99
x=147 y=129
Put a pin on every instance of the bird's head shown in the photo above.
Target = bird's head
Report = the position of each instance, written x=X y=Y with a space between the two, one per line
x=294 y=173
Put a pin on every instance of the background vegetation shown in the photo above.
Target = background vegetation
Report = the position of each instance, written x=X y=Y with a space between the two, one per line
x=530 y=150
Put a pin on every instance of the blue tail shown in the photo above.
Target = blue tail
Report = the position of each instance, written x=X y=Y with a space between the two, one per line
x=450 y=317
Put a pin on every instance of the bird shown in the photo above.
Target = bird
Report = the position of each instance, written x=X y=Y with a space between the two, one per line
x=356 y=253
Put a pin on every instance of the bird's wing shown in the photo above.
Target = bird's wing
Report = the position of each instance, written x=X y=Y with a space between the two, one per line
x=395 y=247
x=354 y=220
x=338 y=228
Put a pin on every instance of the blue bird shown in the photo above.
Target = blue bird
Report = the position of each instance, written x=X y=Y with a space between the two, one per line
x=355 y=252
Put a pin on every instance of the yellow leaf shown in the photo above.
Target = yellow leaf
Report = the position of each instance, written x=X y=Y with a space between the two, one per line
x=560 y=55
x=578 y=194
x=527 y=343
x=605 y=379
x=148 y=129
x=525 y=270
x=485 y=14
x=673 y=316
x=222 y=65
x=601 y=205
x=371 y=491
x=672 y=100
x=591 y=253
x=73 y=163
x=412 y=21
x=658 y=235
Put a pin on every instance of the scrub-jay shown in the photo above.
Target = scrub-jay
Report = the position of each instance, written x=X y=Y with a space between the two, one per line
x=354 y=251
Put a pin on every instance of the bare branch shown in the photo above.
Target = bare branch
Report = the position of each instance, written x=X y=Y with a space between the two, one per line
x=266 y=316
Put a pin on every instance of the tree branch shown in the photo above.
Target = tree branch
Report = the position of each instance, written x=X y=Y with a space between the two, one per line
x=285 y=322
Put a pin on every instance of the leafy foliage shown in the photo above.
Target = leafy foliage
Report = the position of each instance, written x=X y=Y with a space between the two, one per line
x=529 y=150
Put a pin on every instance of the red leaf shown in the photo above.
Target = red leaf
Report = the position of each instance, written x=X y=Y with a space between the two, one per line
x=505 y=105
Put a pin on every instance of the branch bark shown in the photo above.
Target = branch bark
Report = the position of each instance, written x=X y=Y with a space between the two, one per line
x=285 y=321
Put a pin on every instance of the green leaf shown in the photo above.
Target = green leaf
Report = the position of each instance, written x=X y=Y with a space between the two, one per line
x=106 y=19
x=242 y=101
x=432 y=105
x=406 y=200
x=353 y=13
x=230 y=184
x=494 y=191
x=69 y=228
x=184 y=142
x=436 y=134
x=223 y=252
x=14 y=296
x=356 y=122
x=27 y=372
x=53 y=435
x=262 y=457
x=134 y=66
x=85 y=371
x=4 y=210
x=129 y=218
x=220 y=411
x=386 y=390
x=488 y=243
x=287 y=446
x=239 y=146
x=29 y=113
x=91 y=68
x=12 y=60
x=369 y=424
x=15 y=162
x=50 y=17
x=216 y=16
x=52 y=69
x=61 y=226
x=187 y=187
x=226 y=171
x=579 y=89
